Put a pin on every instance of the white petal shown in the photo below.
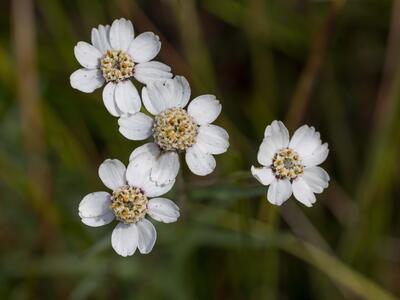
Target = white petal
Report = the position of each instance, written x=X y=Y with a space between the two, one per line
x=179 y=91
x=148 y=104
x=305 y=140
x=109 y=99
x=151 y=149
x=138 y=171
x=278 y=134
x=204 y=109
x=147 y=236
x=155 y=97
x=318 y=156
x=276 y=137
x=165 y=168
x=121 y=34
x=161 y=95
x=95 y=205
x=145 y=162
x=86 y=80
x=212 y=139
x=144 y=47
x=163 y=210
x=112 y=173
x=266 y=152
x=136 y=127
x=263 y=175
x=152 y=189
x=152 y=71
x=279 y=191
x=99 y=221
x=87 y=55
x=94 y=209
x=127 y=97
x=124 y=239
x=316 y=178
x=302 y=192
x=100 y=38
x=199 y=162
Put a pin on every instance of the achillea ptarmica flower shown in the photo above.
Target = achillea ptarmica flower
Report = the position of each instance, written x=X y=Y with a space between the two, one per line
x=133 y=197
x=175 y=129
x=114 y=57
x=291 y=166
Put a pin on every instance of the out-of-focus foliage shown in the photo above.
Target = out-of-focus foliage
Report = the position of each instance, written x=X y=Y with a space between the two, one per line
x=331 y=64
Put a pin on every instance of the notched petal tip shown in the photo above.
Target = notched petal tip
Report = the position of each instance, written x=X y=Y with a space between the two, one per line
x=263 y=174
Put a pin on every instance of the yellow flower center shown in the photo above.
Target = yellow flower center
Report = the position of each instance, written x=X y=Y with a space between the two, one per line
x=174 y=130
x=116 y=65
x=129 y=204
x=286 y=164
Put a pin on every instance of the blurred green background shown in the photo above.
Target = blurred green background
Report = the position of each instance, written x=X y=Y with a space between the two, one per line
x=331 y=64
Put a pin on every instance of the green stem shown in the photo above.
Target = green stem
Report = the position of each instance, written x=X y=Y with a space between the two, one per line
x=327 y=263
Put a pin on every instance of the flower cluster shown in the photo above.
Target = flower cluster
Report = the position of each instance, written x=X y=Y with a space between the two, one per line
x=175 y=126
x=114 y=58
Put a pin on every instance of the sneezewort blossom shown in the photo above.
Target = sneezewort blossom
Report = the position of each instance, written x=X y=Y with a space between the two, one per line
x=114 y=57
x=133 y=197
x=175 y=129
x=291 y=166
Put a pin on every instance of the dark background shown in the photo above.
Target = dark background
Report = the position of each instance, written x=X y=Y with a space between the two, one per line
x=331 y=64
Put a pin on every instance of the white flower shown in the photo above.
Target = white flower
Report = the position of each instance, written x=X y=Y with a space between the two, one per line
x=292 y=166
x=133 y=196
x=175 y=129
x=114 y=57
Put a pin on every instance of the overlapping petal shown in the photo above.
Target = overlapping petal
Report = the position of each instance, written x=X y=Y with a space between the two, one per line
x=101 y=38
x=121 y=34
x=165 y=168
x=109 y=99
x=305 y=140
x=303 y=192
x=112 y=173
x=154 y=189
x=161 y=95
x=138 y=171
x=277 y=135
x=127 y=97
x=136 y=127
x=266 y=152
x=318 y=156
x=147 y=236
x=144 y=47
x=316 y=178
x=279 y=191
x=151 y=149
x=124 y=239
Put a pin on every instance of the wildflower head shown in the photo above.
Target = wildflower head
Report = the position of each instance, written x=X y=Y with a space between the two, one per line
x=116 y=65
x=129 y=204
x=174 y=130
